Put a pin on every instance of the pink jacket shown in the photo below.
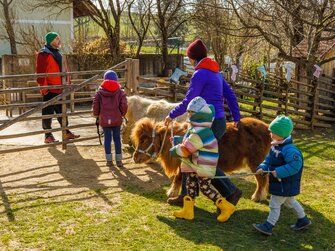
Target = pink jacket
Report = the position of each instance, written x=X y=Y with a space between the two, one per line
x=110 y=104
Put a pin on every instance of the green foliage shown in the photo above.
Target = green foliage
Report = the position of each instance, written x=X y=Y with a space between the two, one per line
x=250 y=66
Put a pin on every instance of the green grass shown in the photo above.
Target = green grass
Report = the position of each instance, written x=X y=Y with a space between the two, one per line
x=142 y=221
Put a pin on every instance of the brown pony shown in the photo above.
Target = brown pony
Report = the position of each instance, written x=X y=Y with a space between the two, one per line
x=246 y=146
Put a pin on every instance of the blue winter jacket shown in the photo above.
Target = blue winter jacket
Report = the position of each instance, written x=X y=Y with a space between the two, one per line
x=287 y=160
x=208 y=83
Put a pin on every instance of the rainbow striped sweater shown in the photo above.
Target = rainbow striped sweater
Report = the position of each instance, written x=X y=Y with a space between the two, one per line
x=199 y=147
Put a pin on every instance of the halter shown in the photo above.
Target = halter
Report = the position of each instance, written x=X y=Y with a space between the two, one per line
x=146 y=151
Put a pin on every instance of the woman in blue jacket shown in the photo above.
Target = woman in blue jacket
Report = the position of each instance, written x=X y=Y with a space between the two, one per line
x=208 y=83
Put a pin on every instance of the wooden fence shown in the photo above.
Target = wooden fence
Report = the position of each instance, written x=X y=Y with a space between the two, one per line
x=25 y=107
x=310 y=105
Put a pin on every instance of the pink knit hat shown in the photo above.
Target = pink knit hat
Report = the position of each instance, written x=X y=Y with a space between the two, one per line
x=197 y=50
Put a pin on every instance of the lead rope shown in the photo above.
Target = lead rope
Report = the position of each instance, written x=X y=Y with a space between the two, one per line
x=172 y=133
x=187 y=162
x=162 y=145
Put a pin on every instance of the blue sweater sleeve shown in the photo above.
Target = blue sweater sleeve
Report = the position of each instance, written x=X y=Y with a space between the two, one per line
x=294 y=162
x=177 y=140
x=231 y=99
x=265 y=165
x=194 y=90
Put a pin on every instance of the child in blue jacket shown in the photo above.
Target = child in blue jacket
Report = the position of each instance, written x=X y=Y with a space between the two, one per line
x=285 y=162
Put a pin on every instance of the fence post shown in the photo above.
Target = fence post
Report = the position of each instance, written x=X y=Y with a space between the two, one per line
x=286 y=98
x=6 y=62
x=71 y=96
x=135 y=75
x=131 y=76
x=315 y=83
x=64 y=119
x=258 y=101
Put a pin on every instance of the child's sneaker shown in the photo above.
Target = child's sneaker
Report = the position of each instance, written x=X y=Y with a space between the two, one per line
x=301 y=223
x=265 y=228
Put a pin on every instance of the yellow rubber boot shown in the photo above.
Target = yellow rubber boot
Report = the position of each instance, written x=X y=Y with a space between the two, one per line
x=187 y=212
x=226 y=208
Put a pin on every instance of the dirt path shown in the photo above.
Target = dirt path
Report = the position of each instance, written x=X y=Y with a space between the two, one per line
x=78 y=173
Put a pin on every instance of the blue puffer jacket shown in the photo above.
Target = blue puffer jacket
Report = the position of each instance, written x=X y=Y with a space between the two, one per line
x=287 y=160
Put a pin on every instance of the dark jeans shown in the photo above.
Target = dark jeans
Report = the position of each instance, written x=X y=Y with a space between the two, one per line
x=114 y=132
x=224 y=186
x=46 y=123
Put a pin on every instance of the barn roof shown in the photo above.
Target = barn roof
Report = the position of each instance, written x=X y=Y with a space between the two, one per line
x=301 y=50
x=82 y=8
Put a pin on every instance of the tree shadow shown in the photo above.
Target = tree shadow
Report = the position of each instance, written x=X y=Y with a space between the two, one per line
x=238 y=234
x=310 y=142
x=153 y=179
x=82 y=173
x=6 y=204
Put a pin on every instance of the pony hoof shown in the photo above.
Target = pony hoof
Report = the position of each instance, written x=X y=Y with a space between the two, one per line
x=258 y=198
x=172 y=193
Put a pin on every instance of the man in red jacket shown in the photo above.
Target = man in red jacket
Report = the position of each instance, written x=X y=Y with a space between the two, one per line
x=49 y=60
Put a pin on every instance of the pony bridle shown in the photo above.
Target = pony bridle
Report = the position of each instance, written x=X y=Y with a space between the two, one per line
x=146 y=151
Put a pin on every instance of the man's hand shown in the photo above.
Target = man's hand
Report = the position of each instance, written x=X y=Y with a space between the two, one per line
x=274 y=174
x=259 y=171
x=167 y=120
x=171 y=140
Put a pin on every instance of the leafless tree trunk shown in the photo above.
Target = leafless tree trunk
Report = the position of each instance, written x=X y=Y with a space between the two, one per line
x=140 y=20
x=284 y=23
x=8 y=24
x=168 y=17
x=106 y=14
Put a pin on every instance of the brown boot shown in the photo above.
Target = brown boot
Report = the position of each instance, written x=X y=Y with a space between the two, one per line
x=176 y=201
x=50 y=139
x=119 y=163
x=234 y=197
x=109 y=163
x=70 y=135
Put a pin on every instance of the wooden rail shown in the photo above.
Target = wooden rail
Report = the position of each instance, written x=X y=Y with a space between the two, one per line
x=68 y=90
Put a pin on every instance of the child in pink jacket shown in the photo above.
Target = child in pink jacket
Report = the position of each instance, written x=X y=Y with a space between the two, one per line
x=110 y=105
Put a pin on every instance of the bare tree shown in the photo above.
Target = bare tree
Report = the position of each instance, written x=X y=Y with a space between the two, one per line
x=8 y=24
x=285 y=23
x=140 y=20
x=30 y=39
x=218 y=25
x=210 y=20
x=168 y=17
x=106 y=14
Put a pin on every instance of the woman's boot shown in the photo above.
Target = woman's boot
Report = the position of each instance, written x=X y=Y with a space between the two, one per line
x=187 y=212
x=226 y=208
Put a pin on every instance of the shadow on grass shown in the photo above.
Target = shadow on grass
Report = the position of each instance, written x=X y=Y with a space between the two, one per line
x=84 y=173
x=79 y=173
x=238 y=234
x=7 y=204
x=315 y=143
x=132 y=183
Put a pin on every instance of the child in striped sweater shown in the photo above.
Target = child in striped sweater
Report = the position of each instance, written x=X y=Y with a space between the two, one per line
x=199 y=152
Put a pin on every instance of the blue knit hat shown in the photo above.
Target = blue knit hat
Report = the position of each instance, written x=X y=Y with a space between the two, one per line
x=196 y=104
x=110 y=75
x=281 y=126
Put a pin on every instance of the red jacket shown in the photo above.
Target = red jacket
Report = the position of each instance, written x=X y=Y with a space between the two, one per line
x=110 y=104
x=46 y=63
